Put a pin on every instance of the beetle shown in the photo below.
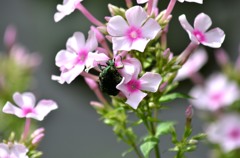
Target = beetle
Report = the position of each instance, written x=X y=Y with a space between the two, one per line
x=109 y=78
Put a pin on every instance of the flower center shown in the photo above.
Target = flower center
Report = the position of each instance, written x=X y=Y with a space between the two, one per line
x=82 y=56
x=234 y=133
x=199 y=35
x=28 y=110
x=133 y=33
x=133 y=86
x=216 y=97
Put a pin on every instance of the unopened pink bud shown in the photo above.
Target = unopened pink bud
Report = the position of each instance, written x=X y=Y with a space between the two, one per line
x=38 y=132
x=37 y=139
x=91 y=83
x=96 y=104
x=10 y=36
x=221 y=57
x=166 y=53
x=107 y=18
x=189 y=112
x=163 y=86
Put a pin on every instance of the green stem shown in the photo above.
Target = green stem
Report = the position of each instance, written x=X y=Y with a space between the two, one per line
x=136 y=150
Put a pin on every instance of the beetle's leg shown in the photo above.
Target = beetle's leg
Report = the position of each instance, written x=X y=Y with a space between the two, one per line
x=101 y=67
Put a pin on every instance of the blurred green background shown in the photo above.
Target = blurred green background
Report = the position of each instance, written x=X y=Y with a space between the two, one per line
x=74 y=130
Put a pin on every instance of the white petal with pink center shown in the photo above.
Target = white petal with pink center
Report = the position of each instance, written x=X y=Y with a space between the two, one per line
x=225 y=132
x=26 y=106
x=14 y=150
x=199 y=34
x=77 y=57
x=133 y=33
x=65 y=9
x=133 y=88
x=194 y=63
x=217 y=93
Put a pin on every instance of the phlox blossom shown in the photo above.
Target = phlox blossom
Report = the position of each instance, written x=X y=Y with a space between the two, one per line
x=193 y=64
x=26 y=106
x=199 y=34
x=217 y=93
x=65 y=9
x=196 y=1
x=225 y=132
x=13 y=150
x=77 y=56
x=135 y=32
x=134 y=87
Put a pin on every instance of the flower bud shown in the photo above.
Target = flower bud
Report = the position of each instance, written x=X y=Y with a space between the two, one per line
x=10 y=36
x=221 y=57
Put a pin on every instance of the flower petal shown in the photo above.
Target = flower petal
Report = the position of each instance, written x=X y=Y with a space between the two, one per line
x=136 y=16
x=135 y=98
x=150 y=29
x=91 y=43
x=141 y=1
x=202 y=22
x=121 y=43
x=94 y=59
x=65 y=59
x=9 y=108
x=4 y=150
x=140 y=44
x=76 y=42
x=44 y=107
x=117 y=26
x=214 y=38
x=29 y=100
x=150 y=81
x=71 y=74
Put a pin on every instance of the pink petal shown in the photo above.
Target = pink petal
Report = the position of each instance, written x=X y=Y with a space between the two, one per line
x=94 y=59
x=150 y=29
x=19 y=150
x=44 y=107
x=140 y=44
x=136 y=16
x=121 y=43
x=59 y=16
x=135 y=98
x=4 y=150
x=202 y=22
x=131 y=68
x=185 y=24
x=28 y=100
x=65 y=59
x=17 y=97
x=9 y=108
x=76 y=42
x=117 y=26
x=71 y=74
x=57 y=78
x=91 y=43
x=150 y=81
x=214 y=38
x=141 y=1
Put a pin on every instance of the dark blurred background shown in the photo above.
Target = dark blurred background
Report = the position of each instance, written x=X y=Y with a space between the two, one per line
x=74 y=130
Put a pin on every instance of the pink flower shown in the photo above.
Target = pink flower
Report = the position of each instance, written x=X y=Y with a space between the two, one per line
x=196 y=1
x=193 y=64
x=129 y=66
x=13 y=150
x=133 y=88
x=217 y=93
x=135 y=33
x=225 y=132
x=66 y=8
x=213 y=38
x=78 y=56
x=26 y=106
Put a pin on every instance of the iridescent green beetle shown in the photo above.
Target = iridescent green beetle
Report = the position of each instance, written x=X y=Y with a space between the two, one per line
x=109 y=78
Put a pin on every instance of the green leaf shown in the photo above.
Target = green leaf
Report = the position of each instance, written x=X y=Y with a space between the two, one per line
x=173 y=96
x=164 y=128
x=146 y=147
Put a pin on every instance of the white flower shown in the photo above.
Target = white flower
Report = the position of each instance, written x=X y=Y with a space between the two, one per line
x=135 y=33
x=13 y=151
